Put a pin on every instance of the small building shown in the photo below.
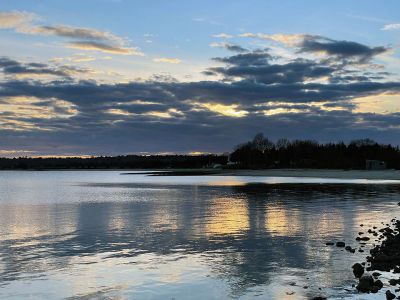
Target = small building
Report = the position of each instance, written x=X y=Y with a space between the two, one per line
x=375 y=165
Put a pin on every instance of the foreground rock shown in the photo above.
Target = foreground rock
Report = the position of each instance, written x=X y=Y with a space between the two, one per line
x=386 y=257
x=367 y=284
x=340 y=244
x=383 y=257
x=358 y=270
x=390 y=295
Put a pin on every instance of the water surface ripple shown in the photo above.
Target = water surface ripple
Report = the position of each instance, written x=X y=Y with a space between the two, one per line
x=98 y=234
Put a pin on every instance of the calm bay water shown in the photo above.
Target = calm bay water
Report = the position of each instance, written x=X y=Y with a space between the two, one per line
x=103 y=235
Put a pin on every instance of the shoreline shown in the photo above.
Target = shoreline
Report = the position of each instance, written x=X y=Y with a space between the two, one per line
x=302 y=173
x=308 y=173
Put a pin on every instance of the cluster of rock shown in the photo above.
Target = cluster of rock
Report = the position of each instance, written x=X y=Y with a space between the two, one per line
x=383 y=257
x=386 y=257
x=367 y=282
x=343 y=245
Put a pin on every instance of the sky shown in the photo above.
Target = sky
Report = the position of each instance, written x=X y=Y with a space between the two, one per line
x=112 y=77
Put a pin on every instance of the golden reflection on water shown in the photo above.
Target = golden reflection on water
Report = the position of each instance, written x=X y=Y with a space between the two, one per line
x=32 y=221
x=164 y=219
x=227 y=216
x=280 y=222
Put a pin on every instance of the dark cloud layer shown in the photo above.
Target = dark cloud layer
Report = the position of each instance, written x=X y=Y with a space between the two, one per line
x=341 y=49
x=259 y=92
x=12 y=67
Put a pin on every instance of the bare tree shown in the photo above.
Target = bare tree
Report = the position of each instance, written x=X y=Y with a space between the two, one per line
x=261 y=143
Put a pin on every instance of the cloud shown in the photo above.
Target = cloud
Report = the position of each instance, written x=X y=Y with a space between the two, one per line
x=73 y=32
x=298 y=97
x=229 y=46
x=106 y=48
x=167 y=60
x=288 y=39
x=224 y=110
x=207 y=21
x=341 y=49
x=222 y=35
x=15 y=152
x=75 y=58
x=394 y=26
x=82 y=38
x=15 y=19
x=22 y=113
x=344 y=50
x=255 y=58
x=292 y=72
x=15 y=68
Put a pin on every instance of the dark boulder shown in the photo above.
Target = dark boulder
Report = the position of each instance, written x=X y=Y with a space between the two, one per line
x=394 y=281
x=365 y=283
x=390 y=295
x=340 y=244
x=364 y=238
x=358 y=270
x=378 y=284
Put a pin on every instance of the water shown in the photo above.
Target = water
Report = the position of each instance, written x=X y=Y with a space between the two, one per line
x=103 y=235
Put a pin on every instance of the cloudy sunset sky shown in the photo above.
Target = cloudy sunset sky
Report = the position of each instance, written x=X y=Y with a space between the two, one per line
x=109 y=77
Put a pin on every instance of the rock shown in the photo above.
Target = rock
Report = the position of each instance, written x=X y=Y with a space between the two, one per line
x=319 y=298
x=365 y=283
x=374 y=289
x=364 y=238
x=305 y=287
x=340 y=244
x=330 y=243
x=358 y=270
x=390 y=295
x=378 y=284
x=376 y=274
x=394 y=281
x=290 y=293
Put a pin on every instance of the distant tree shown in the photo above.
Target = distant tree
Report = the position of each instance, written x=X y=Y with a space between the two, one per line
x=261 y=143
x=282 y=143
x=262 y=153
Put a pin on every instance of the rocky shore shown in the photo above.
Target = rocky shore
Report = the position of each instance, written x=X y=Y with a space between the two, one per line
x=384 y=256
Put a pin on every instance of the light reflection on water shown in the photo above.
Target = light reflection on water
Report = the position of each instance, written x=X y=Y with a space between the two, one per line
x=85 y=235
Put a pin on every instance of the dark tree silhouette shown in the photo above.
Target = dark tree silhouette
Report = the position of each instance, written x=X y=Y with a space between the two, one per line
x=116 y=162
x=262 y=153
x=258 y=153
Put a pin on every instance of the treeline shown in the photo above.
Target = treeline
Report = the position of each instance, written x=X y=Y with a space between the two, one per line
x=263 y=153
x=259 y=153
x=115 y=162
